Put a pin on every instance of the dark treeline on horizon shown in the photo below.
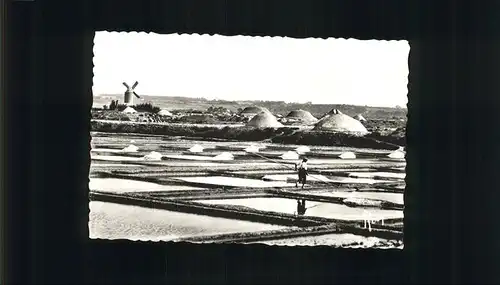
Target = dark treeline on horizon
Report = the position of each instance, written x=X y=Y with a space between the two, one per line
x=255 y=102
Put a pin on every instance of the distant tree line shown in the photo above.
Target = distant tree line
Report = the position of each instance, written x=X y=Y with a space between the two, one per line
x=213 y=109
x=147 y=107
x=143 y=107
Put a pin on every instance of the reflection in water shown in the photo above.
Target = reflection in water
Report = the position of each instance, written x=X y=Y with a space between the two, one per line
x=301 y=207
x=318 y=209
x=397 y=198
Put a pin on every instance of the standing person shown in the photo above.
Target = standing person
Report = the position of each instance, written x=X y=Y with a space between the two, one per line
x=299 y=207
x=302 y=168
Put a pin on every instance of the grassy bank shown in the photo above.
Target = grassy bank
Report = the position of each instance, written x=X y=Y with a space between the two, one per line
x=286 y=135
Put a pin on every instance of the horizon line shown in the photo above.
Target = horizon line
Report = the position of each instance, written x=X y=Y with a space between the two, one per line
x=250 y=100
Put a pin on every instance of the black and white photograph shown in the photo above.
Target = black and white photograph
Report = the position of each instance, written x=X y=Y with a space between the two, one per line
x=251 y=140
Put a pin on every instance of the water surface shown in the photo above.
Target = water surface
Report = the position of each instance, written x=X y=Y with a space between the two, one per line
x=116 y=185
x=397 y=198
x=317 y=209
x=115 y=158
x=235 y=182
x=115 y=221
x=377 y=175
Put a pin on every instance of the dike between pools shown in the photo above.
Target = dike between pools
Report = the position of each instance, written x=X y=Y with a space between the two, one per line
x=300 y=226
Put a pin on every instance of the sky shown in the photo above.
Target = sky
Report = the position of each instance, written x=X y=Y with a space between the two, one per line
x=321 y=71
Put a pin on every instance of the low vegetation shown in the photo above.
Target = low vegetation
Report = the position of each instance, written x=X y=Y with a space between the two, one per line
x=281 y=135
x=196 y=119
x=143 y=107
x=114 y=115
x=335 y=139
x=147 y=107
x=384 y=126
x=397 y=137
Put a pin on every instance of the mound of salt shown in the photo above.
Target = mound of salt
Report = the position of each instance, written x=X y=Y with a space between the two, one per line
x=153 y=156
x=264 y=120
x=399 y=154
x=129 y=110
x=347 y=155
x=196 y=148
x=338 y=122
x=362 y=202
x=301 y=116
x=252 y=149
x=360 y=118
x=290 y=155
x=164 y=112
x=302 y=149
x=253 y=110
x=130 y=148
x=224 y=156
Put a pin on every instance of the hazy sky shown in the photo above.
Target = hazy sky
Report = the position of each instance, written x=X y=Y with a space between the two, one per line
x=332 y=71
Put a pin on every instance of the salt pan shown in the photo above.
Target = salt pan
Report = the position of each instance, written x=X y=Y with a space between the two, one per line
x=377 y=175
x=234 y=181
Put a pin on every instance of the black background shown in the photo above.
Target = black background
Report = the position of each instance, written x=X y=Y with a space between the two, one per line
x=452 y=190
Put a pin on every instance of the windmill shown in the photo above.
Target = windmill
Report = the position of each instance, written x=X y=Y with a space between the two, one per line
x=130 y=93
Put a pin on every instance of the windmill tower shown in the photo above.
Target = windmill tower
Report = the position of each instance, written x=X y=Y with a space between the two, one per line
x=130 y=93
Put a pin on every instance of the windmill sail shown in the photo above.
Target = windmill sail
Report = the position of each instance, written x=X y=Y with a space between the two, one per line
x=130 y=93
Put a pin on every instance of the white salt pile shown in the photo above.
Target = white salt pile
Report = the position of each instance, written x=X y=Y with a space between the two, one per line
x=347 y=155
x=252 y=149
x=379 y=175
x=302 y=149
x=399 y=154
x=130 y=148
x=290 y=155
x=264 y=120
x=196 y=148
x=129 y=110
x=362 y=202
x=224 y=156
x=153 y=156
x=337 y=122
x=164 y=112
